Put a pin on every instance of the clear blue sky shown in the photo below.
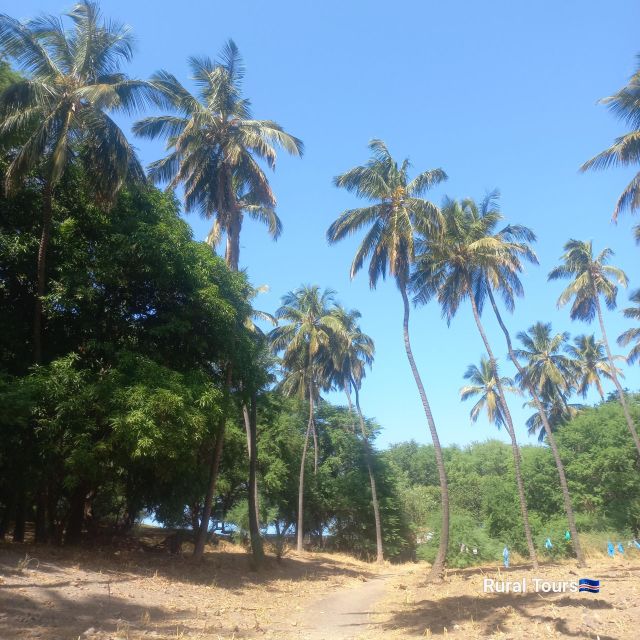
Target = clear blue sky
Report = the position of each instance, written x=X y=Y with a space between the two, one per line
x=497 y=93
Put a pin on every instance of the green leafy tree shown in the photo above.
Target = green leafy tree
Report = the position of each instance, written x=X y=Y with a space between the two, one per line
x=398 y=211
x=59 y=113
x=591 y=277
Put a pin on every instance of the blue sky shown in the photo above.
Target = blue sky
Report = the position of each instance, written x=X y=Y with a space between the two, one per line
x=499 y=94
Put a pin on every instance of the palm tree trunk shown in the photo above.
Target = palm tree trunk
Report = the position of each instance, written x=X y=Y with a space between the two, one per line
x=552 y=441
x=300 y=528
x=512 y=434
x=214 y=466
x=47 y=214
x=254 y=518
x=614 y=377
x=437 y=570
x=372 y=478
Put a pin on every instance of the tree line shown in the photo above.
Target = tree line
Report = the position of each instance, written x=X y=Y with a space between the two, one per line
x=132 y=354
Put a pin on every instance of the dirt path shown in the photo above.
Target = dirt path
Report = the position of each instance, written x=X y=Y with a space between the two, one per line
x=343 y=615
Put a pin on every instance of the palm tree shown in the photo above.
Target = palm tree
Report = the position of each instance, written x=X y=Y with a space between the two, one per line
x=632 y=335
x=557 y=411
x=484 y=383
x=590 y=364
x=351 y=357
x=549 y=371
x=452 y=266
x=215 y=147
x=625 y=104
x=306 y=339
x=396 y=211
x=60 y=113
x=591 y=278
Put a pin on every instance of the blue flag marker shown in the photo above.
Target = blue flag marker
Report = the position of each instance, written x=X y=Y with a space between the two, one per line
x=611 y=549
x=567 y=536
x=547 y=544
x=620 y=547
x=505 y=557
x=636 y=543
x=592 y=586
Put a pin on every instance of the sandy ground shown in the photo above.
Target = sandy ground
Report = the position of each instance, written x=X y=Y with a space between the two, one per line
x=58 y=594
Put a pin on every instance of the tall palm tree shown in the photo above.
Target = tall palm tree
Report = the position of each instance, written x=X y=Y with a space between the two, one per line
x=60 y=112
x=547 y=368
x=215 y=146
x=590 y=364
x=632 y=335
x=396 y=210
x=306 y=335
x=351 y=357
x=452 y=266
x=625 y=104
x=557 y=411
x=591 y=277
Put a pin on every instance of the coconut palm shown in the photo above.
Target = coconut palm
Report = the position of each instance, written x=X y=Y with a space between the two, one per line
x=557 y=411
x=396 y=210
x=625 y=152
x=351 y=357
x=546 y=367
x=59 y=112
x=591 y=277
x=632 y=335
x=215 y=146
x=484 y=383
x=451 y=266
x=590 y=364
x=306 y=336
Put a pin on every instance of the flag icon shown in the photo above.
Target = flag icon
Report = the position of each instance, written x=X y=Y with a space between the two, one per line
x=592 y=586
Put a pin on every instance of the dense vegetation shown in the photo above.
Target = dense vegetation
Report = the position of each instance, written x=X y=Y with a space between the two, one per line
x=138 y=380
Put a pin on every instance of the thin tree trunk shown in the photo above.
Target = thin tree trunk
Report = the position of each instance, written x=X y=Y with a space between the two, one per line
x=300 y=529
x=512 y=434
x=372 y=478
x=616 y=382
x=47 y=213
x=437 y=570
x=198 y=550
x=246 y=416
x=254 y=522
x=550 y=437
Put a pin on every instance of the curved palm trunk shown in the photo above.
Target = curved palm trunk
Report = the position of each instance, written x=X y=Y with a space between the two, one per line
x=372 y=478
x=437 y=569
x=251 y=424
x=616 y=382
x=515 y=449
x=47 y=214
x=300 y=527
x=214 y=465
x=552 y=441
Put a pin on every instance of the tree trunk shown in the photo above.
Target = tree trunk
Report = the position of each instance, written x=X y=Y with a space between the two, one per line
x=300 y=528
x=512 y=434
x=216 y=456
x=437 y=570
x=41 y=516
x=251 y=422
x=47 y=213
x=372 y=478
x=20 y=516
x=75 y=520
x=616 y=382
x=552 y=441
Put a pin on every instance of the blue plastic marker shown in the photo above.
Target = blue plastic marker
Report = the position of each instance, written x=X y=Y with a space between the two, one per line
x=505 y=557
x=548 y=544
x=611 y=549
x=620 y=547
